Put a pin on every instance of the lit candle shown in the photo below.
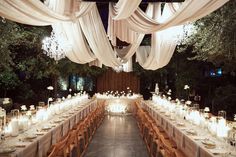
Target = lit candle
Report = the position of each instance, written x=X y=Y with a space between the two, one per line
x=222 y=128
x=14 y=127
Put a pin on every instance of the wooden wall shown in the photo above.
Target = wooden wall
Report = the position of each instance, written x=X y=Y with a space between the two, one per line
x=112 y=80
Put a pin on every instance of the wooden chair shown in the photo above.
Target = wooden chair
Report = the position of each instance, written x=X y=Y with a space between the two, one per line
x=165 y=148
x=179 y=153
x=72 y=143
x=59 y=149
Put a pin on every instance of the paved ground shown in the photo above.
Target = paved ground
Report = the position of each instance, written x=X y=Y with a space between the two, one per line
x=118 y=136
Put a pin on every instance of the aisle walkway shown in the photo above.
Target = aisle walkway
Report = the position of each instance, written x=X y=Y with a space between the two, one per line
x=117 y=137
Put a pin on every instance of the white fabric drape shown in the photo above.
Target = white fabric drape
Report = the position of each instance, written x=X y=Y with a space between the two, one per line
x=142 y=54
x=96 y=63
x=95 y=34
x=34 y=12
x=189 y=11
x=81 y=26
x=78 y=51
x=128 y=66
x=119 y=29
x=162 y=49
x=128 y=52
x=124 y=8
x=71 y=8
x=163 y=43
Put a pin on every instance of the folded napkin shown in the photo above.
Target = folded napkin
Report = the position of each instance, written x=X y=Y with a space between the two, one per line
x=20 y=144
x=218 y=151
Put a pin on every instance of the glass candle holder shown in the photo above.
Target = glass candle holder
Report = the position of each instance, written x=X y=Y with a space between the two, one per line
x=222 y=114
x=15 y=113
x=196 y=107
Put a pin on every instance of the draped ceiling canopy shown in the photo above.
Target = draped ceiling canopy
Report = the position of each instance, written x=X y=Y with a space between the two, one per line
x=80 y=25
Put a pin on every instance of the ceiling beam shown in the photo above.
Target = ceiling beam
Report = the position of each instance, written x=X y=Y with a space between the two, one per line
x=143 y=1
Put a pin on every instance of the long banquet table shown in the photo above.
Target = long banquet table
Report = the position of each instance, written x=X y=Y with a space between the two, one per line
x=190 y=144
x=38 y=146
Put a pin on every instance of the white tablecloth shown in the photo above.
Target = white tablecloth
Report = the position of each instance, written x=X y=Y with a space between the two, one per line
x=39 y=146
x=191 y=145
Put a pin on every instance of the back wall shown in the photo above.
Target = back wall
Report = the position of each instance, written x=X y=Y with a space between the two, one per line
x=111 y=80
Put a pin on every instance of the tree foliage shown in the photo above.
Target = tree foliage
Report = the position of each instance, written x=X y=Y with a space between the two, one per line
x=23 y=64
x=214 y=39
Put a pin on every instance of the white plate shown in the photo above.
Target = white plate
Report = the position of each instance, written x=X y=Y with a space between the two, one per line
x=20 y=144
x=65 y=116
x=208 y=142
x=167 y=115
x=172 y=118
x=4 y=150
x=57 y=120
x=180 y=124
x=218 y=151
x=30 y=136
x=46 y=127
x=192 y=132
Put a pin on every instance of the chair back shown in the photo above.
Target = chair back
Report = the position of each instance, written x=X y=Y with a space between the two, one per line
x=59 y=148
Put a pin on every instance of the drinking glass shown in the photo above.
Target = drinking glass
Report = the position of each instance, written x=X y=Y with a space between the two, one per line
x=15 y=113
x=222 y=114
x=196 y=107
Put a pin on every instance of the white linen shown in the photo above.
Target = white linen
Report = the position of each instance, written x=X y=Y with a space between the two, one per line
x=71 y=31
x=128 y=66
x=127 y=52
x=32 y=12
x=60 y=14
x=96 y=63
x=189 y=11
x=44 y=142
x=77 y=20
x=95 y=34
x=124 y=8
x=178 y=129
x=119 y=29
x=161 y=51
x=163 y=43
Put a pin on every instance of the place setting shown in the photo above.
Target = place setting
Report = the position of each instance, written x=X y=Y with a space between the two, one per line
x=208 y=143
x=27 y=137
x=46 y=127
x=7 y=149
x=180 y=124
x=59 y=120
x=191 y=132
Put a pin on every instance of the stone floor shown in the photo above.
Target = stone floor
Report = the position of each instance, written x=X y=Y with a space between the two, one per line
x=118 y=136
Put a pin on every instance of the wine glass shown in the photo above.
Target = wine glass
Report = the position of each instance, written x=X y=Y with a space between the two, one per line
x=222 y=114
x=196 y=107
x=15 y=113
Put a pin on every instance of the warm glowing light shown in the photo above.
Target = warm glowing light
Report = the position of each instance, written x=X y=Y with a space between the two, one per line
x=55 y=46
x=117 y=108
